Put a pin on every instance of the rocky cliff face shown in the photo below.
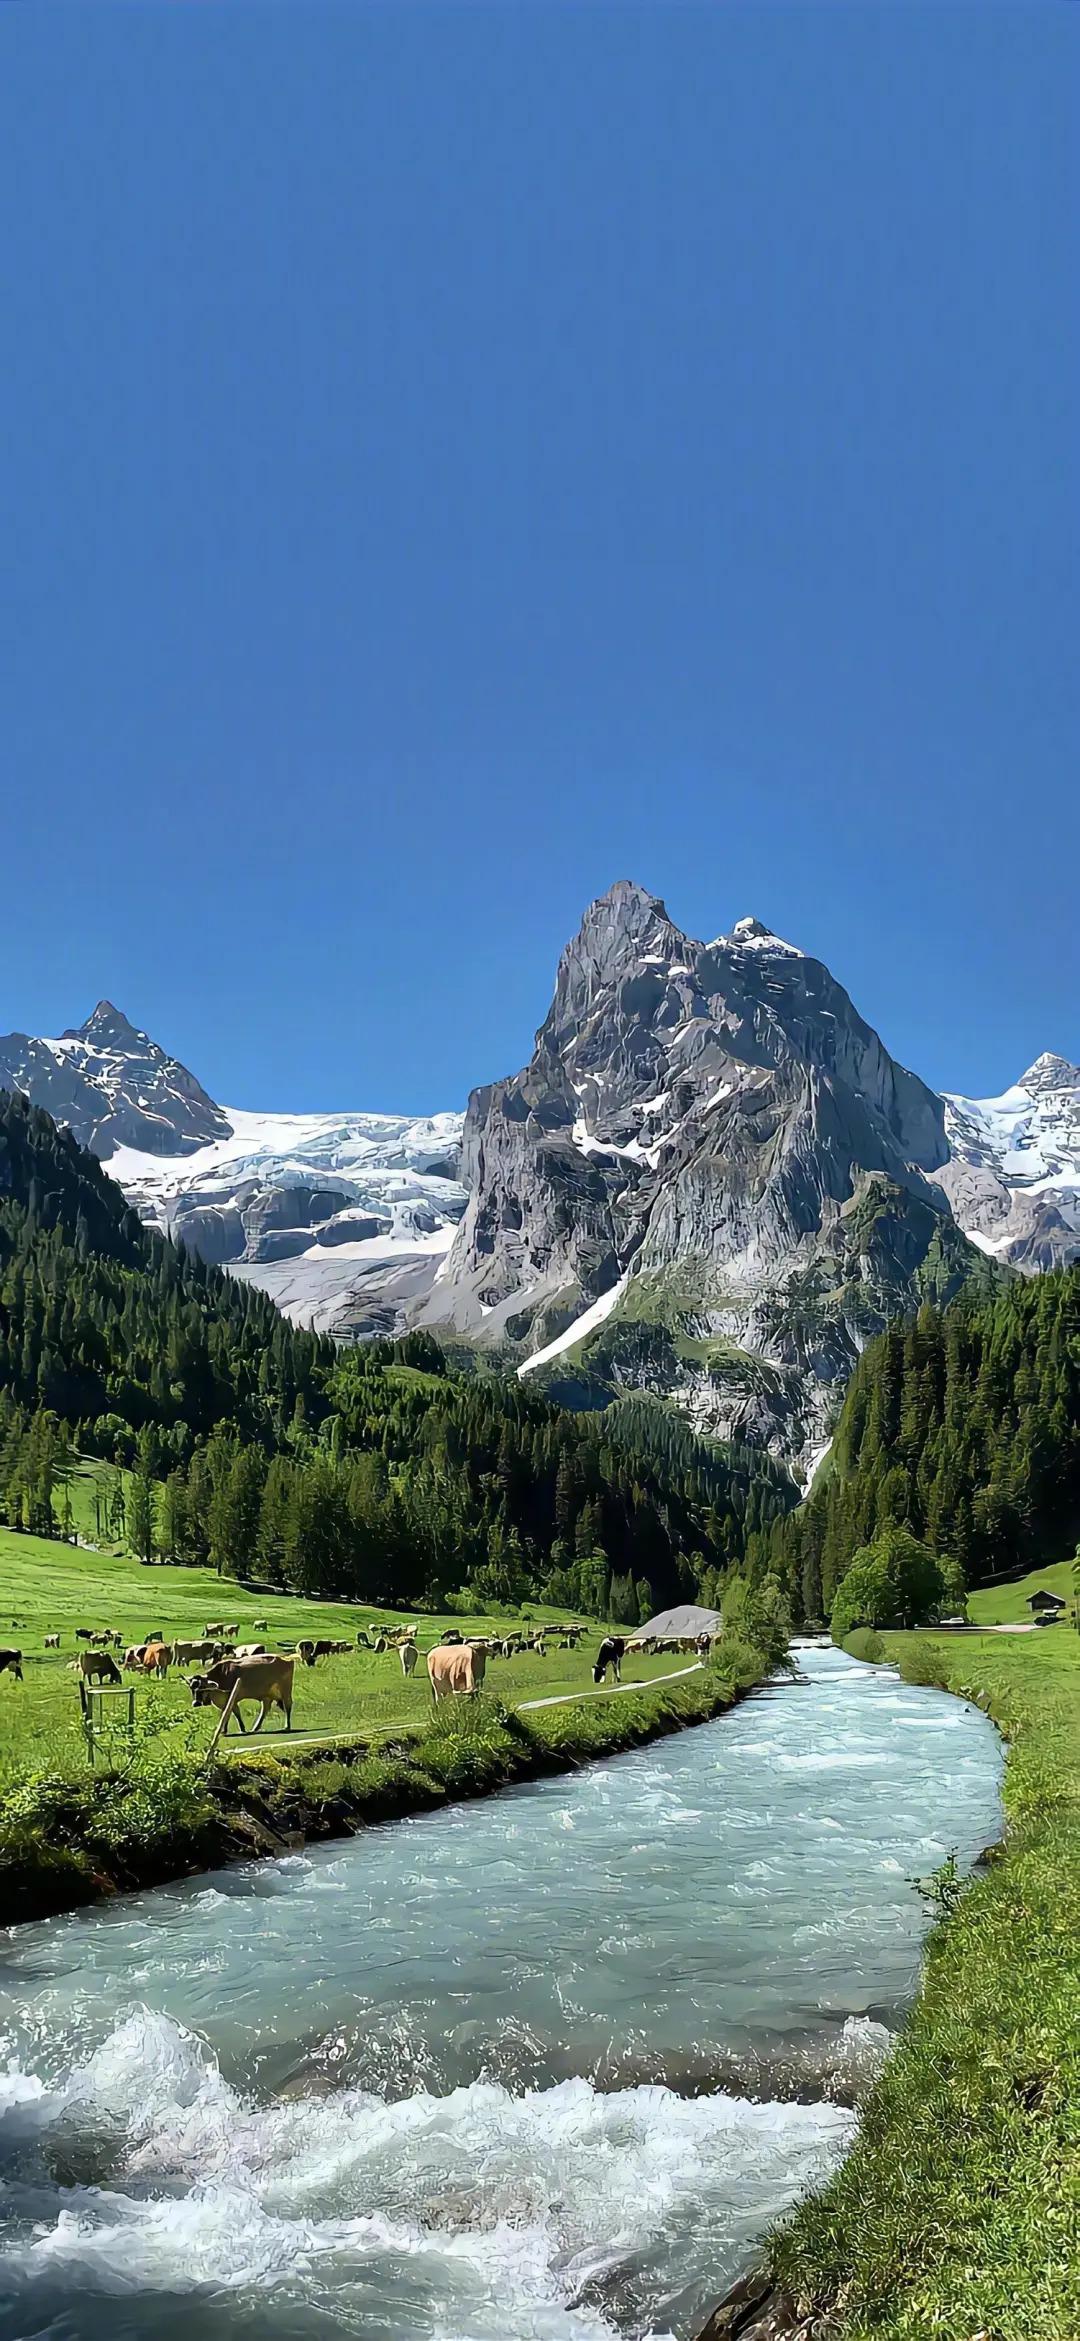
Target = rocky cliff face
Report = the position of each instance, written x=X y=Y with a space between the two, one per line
x=711 y=1180
x=1013 y=1177
x=113 y=1087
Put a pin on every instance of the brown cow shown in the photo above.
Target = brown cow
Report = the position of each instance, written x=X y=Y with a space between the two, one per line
x=454 y=1671
x=11 y=1663
x=96 y=1666
x=155 y=1659
x=265 y=1678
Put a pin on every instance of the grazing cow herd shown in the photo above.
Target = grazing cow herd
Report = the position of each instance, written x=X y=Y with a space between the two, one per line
x=229 y=1674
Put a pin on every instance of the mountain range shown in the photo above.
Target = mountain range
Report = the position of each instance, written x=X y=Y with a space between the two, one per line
x=711 y=1182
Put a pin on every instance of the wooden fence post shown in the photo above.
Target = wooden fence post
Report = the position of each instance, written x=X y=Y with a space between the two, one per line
x=225 y=1714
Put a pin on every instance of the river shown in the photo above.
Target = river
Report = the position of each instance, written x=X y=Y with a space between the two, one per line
x=533 y=2069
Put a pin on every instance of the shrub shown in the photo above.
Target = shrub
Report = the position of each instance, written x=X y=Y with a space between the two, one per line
x=863 y=1643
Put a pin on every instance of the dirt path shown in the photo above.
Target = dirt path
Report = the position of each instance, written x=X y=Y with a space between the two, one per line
x=306 y=1739
x=570 y=1698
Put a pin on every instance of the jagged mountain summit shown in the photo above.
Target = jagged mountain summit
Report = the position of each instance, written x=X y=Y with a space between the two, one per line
x=1014 y=1175
x=711 y=1181
x=113 y=1086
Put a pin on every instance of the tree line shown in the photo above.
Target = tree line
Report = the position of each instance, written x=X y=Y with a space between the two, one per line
x=377 y=1474
x=961 y=1427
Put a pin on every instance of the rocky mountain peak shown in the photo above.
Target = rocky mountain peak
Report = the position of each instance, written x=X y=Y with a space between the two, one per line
x=711 y=1176
x=623 y=929
x=752 y=934
x=113 y=1086
x=1049 y=1072
x=106 y=1022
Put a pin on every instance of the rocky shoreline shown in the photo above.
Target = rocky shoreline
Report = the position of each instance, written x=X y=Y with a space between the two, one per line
x=758 y=2309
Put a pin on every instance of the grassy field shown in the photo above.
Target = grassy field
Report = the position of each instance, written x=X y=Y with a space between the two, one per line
x=958 y=2212
x=1007 y=1604
x=48 y=1587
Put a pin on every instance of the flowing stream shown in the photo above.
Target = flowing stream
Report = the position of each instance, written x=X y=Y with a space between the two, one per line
x=535 y=2069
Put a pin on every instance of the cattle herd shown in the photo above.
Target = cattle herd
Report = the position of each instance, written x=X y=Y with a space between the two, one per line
x=228 y=1672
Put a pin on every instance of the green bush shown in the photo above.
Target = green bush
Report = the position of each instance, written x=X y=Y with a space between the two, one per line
x=863 y=1643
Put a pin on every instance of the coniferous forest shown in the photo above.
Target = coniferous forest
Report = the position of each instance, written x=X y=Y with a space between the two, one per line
x=961 y=1426
x=382 y=1474
x=376 y=1474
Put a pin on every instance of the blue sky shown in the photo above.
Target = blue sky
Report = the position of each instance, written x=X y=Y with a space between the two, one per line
x=457 y=456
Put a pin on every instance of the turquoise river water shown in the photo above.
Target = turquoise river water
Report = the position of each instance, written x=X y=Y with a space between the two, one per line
x=534 y=2069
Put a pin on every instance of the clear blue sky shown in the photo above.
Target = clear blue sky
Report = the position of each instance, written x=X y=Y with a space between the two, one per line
x=457 y=456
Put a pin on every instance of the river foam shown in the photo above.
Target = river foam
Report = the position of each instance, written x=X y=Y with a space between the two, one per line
x=536 y=2069
x=521 y=2215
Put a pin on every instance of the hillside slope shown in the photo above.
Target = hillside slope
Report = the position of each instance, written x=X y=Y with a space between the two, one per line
x=963 y=1426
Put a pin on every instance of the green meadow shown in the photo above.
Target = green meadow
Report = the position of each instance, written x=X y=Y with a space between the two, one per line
x=957 y=2214
x=49 y=1587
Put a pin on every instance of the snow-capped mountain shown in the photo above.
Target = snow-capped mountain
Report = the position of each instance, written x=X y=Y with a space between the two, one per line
x=113 y=1087
x=710 y=1181
x=1013 y=1177
x=342 y=1217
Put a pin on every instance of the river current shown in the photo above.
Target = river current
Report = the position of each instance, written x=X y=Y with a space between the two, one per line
x=533 y=2069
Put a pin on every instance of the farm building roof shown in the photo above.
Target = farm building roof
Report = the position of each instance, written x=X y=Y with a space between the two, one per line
x=686 y=1618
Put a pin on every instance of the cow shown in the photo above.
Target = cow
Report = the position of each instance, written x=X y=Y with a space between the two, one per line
x=133 y=1657
x=11 y=1663
x=249 y=1650
x=309 y=1651
x=455 y=1671
x=267 y=1678
x=260 y=1625
x=338 y=1649
x=155 y=1659
x=610 y=1654
x=52 y=1641
x=84 y=1633
x=407 y=1655
x=96 y=1666
x=189 y=1653
x=214 y=1632
x=450 y=1639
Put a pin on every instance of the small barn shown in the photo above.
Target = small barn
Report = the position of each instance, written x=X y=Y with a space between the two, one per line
x=1044 y=1603
x=685 y=1619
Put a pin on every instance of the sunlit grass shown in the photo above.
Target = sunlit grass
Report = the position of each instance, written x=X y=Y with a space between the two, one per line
x=958 y=2213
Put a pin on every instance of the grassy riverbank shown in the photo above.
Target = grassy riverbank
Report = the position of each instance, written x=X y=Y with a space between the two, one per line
x=67 y=1838
x=958 y=2212
x=50 y=1588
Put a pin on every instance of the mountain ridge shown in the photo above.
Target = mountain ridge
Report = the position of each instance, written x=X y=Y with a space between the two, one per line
x=711 y=1182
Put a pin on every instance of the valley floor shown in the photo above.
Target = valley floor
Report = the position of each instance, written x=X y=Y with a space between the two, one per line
x=155 y=1810
x=958 y=2212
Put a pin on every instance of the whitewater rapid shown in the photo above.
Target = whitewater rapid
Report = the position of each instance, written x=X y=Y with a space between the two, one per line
x=537 y=2069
